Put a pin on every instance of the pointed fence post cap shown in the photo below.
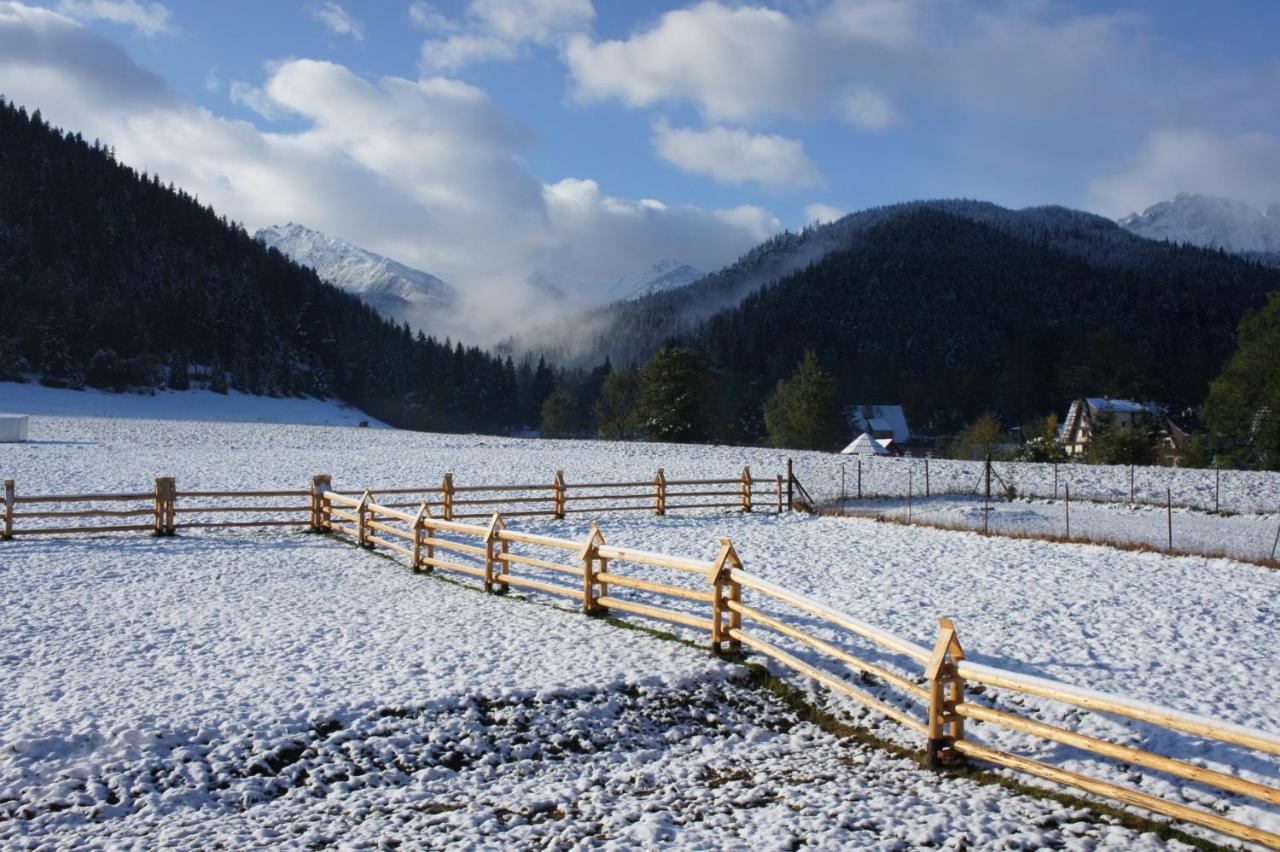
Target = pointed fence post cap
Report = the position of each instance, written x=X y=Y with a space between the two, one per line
x=595 y=538
x=726 y=559
x=495 y=524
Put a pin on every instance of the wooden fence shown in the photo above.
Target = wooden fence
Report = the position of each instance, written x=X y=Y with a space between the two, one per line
x=925 y=690
x=740 y=611
x=164 y=508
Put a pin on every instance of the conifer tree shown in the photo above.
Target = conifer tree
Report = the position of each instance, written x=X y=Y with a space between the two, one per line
x=676 y=397
x=803 y=412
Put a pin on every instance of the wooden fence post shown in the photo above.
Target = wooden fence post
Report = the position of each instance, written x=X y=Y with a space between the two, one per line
x=791 y=478
x=1055 y=480
x=1168 y=506
x=910 y=488
x=588 y=555
x=926 y=476
x=446 y=489
x=660 y=493
x=9 y=497
x=721 y=576
x=362 y=513
x=491 y=542
x=171 y=522
x=162 y=514
x=859 y=479
x=558 y=491
x=420 y=525
x=1217 y=484
x=946 y=691
x=1131 y=486
x=746 y=489
x=319 y=485
x=779 y=494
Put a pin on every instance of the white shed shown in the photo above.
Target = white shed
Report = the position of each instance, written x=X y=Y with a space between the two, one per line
x=13 y=428
x=865 y=445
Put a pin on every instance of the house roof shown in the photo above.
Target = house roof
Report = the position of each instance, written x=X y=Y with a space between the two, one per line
x=865 y=445
x=881 y=418
x=1102 y=405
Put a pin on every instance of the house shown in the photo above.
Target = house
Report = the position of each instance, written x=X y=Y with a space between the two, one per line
x=866 y=445
x=1087 y=415
x=882 y=421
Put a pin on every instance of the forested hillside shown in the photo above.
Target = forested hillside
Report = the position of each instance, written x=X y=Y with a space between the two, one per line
x=110 y=278
x=954 y=316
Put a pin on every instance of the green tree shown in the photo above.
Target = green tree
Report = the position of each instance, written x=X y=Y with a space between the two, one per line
x=803 y=412
x=676 y=397
x=1243 y=406
x=615 y=411
x=1120 y=443
x=559 y=415
x=983 y=437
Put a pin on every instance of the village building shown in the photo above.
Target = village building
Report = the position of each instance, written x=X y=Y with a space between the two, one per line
x=1088 y=415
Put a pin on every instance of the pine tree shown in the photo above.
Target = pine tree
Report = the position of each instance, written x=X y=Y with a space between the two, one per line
x=559 y=415
x=803 y=412
x=1243 y=405
x=615 y=411
x=676 y=397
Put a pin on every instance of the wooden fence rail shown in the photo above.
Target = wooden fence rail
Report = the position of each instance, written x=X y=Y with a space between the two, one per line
x=923 y=689
x=928 y=685
x=165 y=504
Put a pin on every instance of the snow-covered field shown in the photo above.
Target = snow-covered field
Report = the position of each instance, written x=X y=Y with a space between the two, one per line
x=278 y=687
x=1249 y=537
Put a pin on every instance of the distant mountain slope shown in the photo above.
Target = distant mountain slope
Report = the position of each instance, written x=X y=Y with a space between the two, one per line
x=391 y=288
x=662 y=276
x=110 y=279
x=953 y=314
x=1203 y=220
x=631 y=330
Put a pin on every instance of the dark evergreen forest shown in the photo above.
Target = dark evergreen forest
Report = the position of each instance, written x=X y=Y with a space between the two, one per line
x=954 y=317
x=110 y=278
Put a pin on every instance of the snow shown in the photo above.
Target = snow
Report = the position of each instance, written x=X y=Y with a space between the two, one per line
x=1209 y=221
x=201 y=405
x=388 y=286
x=277 y=687
x=660 y=277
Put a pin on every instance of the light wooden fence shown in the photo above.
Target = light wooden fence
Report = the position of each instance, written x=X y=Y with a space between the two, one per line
x=163 y=509
x=925 y=690
x=740 y=611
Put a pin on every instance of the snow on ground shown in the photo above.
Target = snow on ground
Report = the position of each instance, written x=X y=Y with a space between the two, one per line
x=1245 y=491
x=35 y=399
x=1249 y=537
x=332 y=634
x=278 y=688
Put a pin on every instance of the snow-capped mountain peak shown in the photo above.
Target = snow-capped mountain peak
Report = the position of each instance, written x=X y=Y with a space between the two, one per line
x=393 y=289
x=1209 y=221
x=663 y=275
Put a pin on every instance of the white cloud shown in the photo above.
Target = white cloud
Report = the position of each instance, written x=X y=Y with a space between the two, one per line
x=252 y=98
x=1244 y=166
x=736 y=156
x=427 y=171
x=147 y=19
x=212 y=80
x=425 y=16
x=498 y=29
x=733 y=63
x=338 y=20
x=820 y=214
x=866 y=109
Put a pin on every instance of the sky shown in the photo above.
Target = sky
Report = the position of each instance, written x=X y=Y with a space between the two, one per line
x=481 y=140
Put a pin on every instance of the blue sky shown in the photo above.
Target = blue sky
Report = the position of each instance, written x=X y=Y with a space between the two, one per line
x=486 y=138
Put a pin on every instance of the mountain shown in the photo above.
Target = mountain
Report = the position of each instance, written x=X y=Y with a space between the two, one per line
x=662 y=276
x=1204 y=220
x=631 y=330
x=111 y=279
x=1014 y=312
x=392 y=289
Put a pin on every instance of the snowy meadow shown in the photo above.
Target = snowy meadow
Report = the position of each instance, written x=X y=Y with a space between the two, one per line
x=275 y=687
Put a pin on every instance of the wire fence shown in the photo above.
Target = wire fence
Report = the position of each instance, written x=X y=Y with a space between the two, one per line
x=1212 y=513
